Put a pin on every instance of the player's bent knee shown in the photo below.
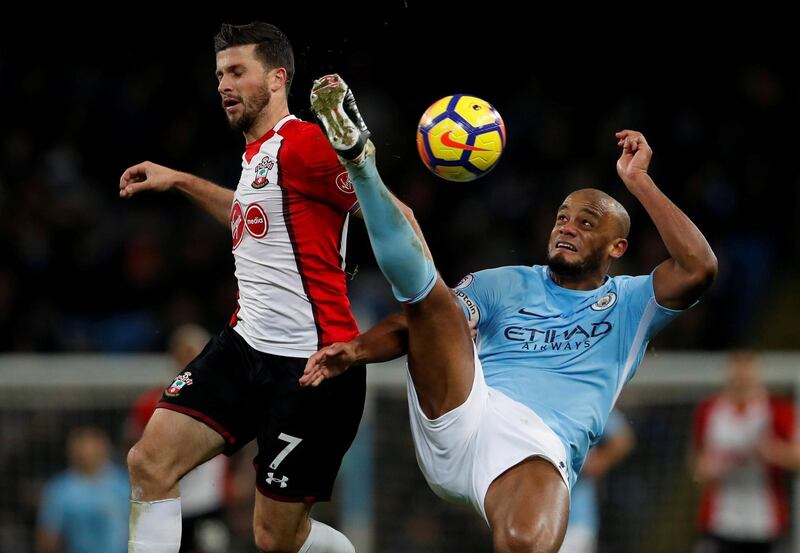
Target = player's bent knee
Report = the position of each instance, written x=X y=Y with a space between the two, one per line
x=535 y=537
x=270 y=541
x=148 y=471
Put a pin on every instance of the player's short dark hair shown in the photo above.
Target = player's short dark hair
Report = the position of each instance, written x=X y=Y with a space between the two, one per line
x=272 y=46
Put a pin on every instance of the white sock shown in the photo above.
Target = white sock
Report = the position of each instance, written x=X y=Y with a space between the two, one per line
x=155 y=526
x=324 y=539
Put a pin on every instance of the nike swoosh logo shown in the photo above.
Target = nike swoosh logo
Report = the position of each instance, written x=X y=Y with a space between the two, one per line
x=524 y=311
x=449 y=142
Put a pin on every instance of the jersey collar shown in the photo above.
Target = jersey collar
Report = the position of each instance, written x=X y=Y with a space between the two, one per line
x=252 y=148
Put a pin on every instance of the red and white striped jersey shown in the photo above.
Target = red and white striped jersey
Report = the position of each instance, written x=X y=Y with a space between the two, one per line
x=749 y=502
x=289 y=226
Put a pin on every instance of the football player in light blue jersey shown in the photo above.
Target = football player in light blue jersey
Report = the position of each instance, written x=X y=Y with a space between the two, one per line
x=505 y=425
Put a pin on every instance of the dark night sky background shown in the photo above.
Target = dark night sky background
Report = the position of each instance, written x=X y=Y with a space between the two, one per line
x=82 y=270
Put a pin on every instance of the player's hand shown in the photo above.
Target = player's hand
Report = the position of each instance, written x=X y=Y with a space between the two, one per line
x=775 y=451
x=146 y=176
x=473 y=328
x=711 y=467
x=636 y=154
x=328 y=362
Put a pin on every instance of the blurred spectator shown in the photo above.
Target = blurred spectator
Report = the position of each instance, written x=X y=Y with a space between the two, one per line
x=584 y=520
x=85 y=509
x=744 y=442
x=60 y=215
x=203 y=489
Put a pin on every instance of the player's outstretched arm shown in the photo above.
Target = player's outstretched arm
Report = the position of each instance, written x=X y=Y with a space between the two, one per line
x=692 y=267
x=149 y=176
x=781 y=453
x=385 y=341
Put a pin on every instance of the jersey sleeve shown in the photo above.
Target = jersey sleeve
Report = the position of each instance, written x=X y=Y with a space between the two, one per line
x=479 y=296
x=783 y=419
x=644 y=313
x=311 y=168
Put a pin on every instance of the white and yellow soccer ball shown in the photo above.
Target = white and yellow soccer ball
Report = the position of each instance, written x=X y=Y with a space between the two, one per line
x=461 y=137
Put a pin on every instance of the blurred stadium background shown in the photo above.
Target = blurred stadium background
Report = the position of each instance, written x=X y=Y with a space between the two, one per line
x=91 y=286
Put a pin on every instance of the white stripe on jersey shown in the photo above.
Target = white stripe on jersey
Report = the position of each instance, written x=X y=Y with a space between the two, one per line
x=636 y=346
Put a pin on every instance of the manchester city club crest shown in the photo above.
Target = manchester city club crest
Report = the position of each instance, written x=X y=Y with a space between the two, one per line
x=605 y=302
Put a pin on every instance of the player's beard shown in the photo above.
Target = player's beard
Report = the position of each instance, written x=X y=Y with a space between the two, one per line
x=251 y=108
x=575 y=270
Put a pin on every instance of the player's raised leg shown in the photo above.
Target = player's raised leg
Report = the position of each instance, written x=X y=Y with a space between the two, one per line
x=527 y=508
x=440 y=347
x=172 y=445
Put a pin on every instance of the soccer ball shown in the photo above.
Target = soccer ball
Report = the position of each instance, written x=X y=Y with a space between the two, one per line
x=460 y=137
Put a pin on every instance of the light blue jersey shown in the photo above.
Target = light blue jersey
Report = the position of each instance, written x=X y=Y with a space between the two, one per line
x=89 y=513
x=564 y=353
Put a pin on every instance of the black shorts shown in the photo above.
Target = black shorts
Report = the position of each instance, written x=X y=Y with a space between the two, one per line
x=302 y=433
x=717 y=544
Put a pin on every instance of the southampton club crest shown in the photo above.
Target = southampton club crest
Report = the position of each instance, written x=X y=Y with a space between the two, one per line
x=180 y=382
x=262 y=172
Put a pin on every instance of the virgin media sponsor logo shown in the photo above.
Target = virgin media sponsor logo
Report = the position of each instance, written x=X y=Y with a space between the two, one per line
x=255 y=220
x=237 y=224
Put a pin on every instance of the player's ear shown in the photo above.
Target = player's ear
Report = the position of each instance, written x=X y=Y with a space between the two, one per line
x=277 y=78
x=618 y=247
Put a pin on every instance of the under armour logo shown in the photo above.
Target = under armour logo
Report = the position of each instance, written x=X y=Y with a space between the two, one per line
x=271 y=478
x=562 y=465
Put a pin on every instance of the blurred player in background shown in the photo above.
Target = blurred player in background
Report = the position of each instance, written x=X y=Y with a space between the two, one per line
x=584 y=518
x=744 y=442
x=506 y=427
x=85 y=508
x=288 y=218
x=203 y=488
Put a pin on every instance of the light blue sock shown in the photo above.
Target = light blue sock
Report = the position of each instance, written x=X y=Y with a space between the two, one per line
x=397 y=247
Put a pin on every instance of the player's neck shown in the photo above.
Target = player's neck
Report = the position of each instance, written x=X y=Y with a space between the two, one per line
x=274 y=111
x=583 y=282
x=89 y=470
x=744 y=397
